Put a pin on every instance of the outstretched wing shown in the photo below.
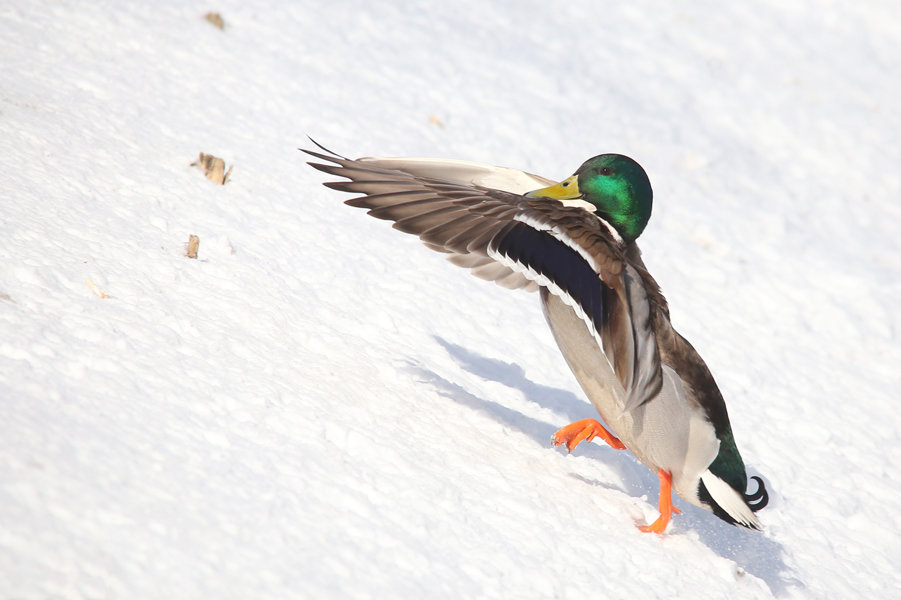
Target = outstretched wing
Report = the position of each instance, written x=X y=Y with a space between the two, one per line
x=520 y=242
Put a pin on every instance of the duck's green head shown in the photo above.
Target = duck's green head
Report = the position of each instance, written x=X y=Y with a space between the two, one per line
x=616 y=186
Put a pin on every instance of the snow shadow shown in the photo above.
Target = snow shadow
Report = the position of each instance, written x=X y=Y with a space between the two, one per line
x=636 y=479
x=753 y=552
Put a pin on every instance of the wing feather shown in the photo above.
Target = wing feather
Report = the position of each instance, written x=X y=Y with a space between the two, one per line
x=520 y=243
x=463 y=172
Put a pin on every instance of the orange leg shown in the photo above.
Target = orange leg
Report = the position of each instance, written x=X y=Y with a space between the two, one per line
x=585 y=430
x=664 y=505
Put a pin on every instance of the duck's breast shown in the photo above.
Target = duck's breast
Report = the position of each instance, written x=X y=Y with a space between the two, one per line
x=587 y=361
x=667 y=432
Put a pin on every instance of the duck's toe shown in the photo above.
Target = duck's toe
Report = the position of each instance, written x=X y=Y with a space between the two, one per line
x=664 y=505
x=585 y=430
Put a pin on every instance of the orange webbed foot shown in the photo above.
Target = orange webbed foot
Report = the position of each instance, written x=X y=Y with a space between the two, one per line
x=585 y=430
x=664 y=505
x=658 y=526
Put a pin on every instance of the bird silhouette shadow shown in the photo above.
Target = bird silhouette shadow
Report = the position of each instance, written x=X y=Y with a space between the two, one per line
x=753 y=552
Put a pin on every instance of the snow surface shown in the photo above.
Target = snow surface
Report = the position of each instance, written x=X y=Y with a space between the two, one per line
x=318 y=407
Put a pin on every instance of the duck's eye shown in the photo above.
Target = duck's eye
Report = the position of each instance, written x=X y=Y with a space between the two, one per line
x=605 y=171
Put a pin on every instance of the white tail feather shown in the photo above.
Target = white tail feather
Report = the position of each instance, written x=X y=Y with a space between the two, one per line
x=729 y=500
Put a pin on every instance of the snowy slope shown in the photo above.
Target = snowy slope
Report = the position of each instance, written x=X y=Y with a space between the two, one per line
x=318 y=407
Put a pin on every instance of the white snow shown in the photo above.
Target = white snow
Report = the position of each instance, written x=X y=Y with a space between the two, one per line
x=319 y=407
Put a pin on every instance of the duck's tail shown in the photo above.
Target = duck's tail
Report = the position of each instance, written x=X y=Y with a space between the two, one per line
x=730 y=505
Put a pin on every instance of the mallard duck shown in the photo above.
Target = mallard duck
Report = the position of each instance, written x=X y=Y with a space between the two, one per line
x=574 y=242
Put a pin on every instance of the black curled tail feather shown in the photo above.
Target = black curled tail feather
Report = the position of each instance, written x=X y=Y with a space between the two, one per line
x=758 y=499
